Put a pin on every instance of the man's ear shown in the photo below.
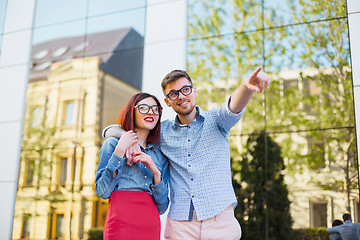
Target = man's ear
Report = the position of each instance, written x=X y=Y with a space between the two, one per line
x=167 y=102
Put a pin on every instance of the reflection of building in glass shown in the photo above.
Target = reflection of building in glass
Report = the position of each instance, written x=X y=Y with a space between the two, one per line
x=77 y=86
x=320 y=148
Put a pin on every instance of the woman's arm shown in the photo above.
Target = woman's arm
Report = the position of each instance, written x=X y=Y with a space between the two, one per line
x=109 y=163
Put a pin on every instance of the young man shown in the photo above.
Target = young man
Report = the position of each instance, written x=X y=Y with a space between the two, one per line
x=196 y=143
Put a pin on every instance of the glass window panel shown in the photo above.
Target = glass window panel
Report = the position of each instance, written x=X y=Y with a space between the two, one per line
x=36 y=117
x=318 y=214
x=29 y=169
x=60 y=226
x=218 y=65
x=63 y=170
x=124 y=63
x=284 y=12
x=74 y=171
x=25 y=232
x=134 y=18
x=316 y=172
x=214 y=18
x=55 y=46
x=259 y=172
x=69 y=114
x=3 y=4
x=119 y=45
x=53 y=12
x=98 y=7
x=224 y=58
x=312 y=86
x=57 y=32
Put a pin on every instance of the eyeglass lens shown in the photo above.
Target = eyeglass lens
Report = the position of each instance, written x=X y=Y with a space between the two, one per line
x=144 y=109
x=186 y=90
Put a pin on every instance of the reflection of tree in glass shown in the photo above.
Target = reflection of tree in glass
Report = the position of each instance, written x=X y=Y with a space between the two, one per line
x=322 y=103
x=36 y=163
x=310 y=102
x=261 y=191
x=219 y=47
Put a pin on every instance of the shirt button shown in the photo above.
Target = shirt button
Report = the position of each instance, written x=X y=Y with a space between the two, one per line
x=145 y=184
x=119 y=162
x=192 y=196
x=192 y=179
x=189 y=155
x=189 y=165
x=145 y=176
x=188 y=140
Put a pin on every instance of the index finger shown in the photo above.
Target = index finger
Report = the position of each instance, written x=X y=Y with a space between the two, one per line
x=255 y=73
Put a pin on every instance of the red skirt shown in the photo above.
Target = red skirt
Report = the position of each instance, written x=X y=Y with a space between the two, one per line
x=132 y=215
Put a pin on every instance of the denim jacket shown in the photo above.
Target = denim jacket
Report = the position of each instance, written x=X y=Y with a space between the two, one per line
x=131 y=178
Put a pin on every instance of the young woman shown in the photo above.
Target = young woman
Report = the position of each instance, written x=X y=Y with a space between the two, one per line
x=137 y=190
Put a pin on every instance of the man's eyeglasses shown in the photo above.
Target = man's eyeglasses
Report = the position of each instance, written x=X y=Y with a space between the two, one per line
x=144 y=109
x=186 y=90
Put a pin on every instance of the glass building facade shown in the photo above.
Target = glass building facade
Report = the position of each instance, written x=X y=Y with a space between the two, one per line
x=68 y=67
x=308 y=112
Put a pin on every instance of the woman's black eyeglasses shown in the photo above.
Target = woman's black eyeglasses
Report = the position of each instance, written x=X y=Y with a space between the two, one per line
x=186 y=90
x=144 y=109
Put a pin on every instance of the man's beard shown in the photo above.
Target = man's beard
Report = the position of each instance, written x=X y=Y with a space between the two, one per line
x=184 y=112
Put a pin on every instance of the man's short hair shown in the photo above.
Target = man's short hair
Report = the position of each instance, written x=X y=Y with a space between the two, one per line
x=173 y=76
x=346 y=217
x=337 y=222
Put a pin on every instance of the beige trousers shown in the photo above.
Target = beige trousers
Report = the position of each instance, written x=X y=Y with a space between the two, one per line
x=223 y=226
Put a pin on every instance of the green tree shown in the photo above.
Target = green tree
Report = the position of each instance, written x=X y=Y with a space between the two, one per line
x=265 y=201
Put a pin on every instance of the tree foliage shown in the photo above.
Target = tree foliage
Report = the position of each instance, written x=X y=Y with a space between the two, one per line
x=263 y=193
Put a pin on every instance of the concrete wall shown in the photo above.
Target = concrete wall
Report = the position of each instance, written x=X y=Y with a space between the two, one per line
x=14 y=68
x=354 y=19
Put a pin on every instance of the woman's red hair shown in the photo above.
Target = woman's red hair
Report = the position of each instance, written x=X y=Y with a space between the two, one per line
x=126 y=117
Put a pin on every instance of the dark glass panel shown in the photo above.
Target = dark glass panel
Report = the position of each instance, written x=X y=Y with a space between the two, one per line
x=123 y=63
x=259 y=180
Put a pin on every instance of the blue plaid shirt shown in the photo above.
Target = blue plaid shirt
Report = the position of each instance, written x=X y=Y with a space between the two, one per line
x=200 y=171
